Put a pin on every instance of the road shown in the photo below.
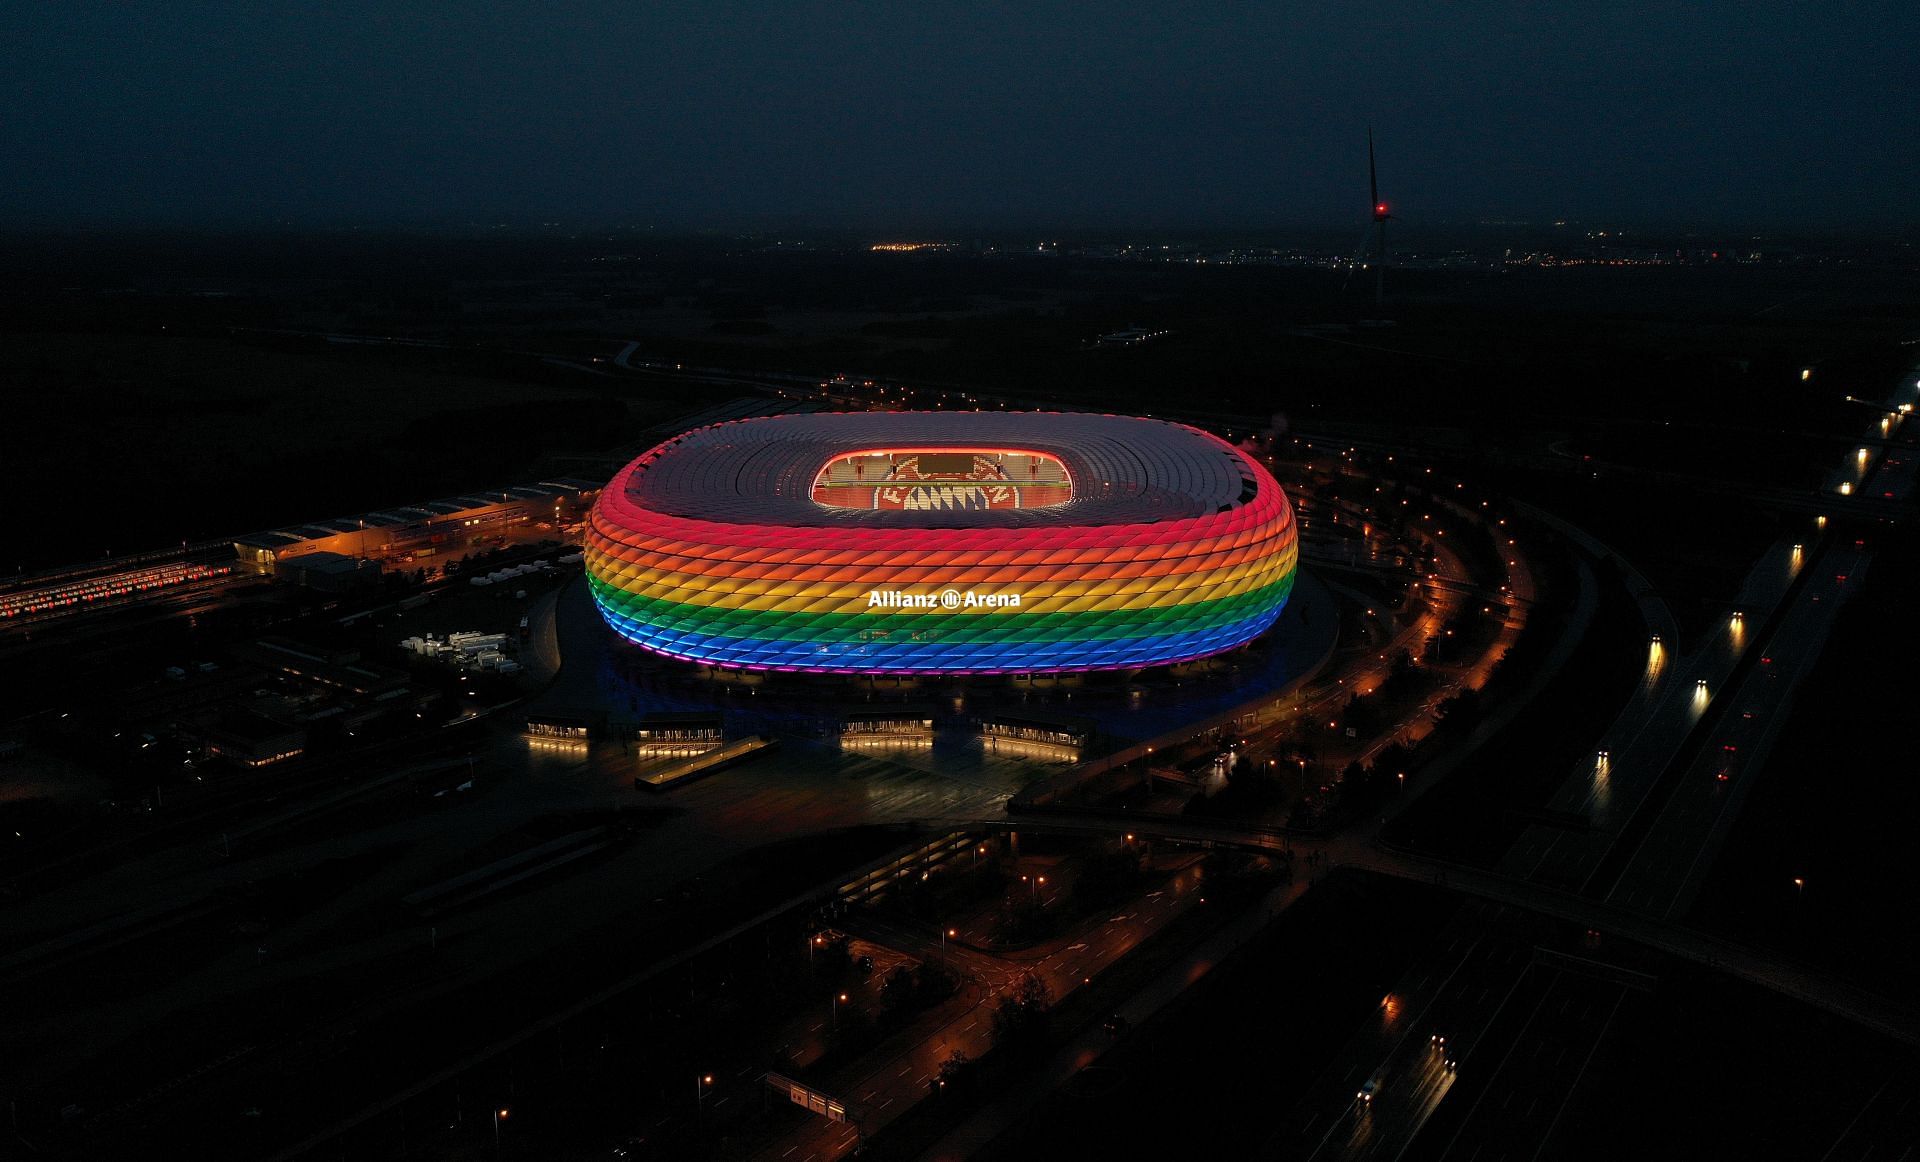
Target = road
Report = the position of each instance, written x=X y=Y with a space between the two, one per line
x=878 y=1088
x=1468 y=979
x=804 y=789
x=1676 y=692
x=1671 y=862
x=1658 y=797
x=1513 y=1114
x=1889 y=1016
x=1545 y=1021
x=967 y=1139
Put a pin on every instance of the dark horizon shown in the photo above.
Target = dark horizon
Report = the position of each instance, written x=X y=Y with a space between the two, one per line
x=1340 y=235
x=700 y=118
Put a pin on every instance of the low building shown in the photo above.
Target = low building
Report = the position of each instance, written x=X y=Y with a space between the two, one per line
x=1053 y=730
x=449 y=526
x=331 y=572
x=891 y=722
x=576 y=728
x=254 y=740
x=678 y=728
x=340 y=670
x=669 y=734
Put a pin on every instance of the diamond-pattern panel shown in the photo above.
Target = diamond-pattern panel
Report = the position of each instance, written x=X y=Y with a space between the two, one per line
x=1177 y=546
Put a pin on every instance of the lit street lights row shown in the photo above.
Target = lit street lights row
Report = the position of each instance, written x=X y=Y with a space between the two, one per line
x=1034 y=885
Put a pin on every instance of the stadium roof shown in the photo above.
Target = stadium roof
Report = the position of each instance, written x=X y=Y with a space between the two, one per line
x=1124 y=470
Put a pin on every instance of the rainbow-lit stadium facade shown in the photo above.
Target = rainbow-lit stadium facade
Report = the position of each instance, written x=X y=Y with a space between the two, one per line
x=941 y=543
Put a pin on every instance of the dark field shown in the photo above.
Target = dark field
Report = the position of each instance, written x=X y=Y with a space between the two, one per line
x=1711 y=1067
x=175 y=386
x=139 y=439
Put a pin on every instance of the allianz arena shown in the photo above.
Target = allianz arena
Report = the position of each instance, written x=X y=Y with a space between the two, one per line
x=941 y=543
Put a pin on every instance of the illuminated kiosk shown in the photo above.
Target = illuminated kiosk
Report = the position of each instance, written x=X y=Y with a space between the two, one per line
x=941 y=543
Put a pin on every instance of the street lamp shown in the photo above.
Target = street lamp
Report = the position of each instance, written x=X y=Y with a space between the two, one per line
x=1800 y=887
x=839 y=1000
x=946 y=932
x=499 y=1115
x=702 y=1084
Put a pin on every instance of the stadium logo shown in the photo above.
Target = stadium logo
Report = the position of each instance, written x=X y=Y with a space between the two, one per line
x=945 y=599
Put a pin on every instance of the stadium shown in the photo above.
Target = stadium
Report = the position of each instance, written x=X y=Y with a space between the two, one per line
x=941 y=543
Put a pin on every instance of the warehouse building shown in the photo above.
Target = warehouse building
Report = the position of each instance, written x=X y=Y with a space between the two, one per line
x=451 y=526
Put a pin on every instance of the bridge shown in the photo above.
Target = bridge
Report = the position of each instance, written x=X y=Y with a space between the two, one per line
x=1364 y=851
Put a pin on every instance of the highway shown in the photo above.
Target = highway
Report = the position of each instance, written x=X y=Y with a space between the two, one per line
x=1528 y=1086
x=1470 y=978
x=1671 y=862
x=1887 y=1123
x=1523 y=1030
x=1629 y=758
x=1658 y=797
x=1890 y=1016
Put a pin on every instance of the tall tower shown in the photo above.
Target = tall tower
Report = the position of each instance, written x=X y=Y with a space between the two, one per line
x=1380 y=217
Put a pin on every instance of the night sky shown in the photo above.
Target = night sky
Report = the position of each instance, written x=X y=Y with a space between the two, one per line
x=957 y=115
